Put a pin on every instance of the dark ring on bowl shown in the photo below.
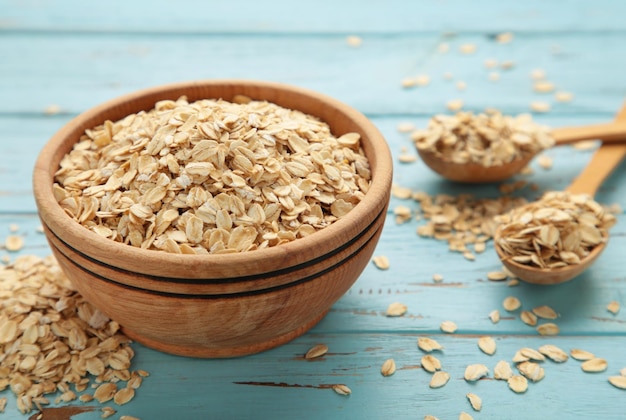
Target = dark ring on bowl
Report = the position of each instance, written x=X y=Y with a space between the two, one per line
x=227 y=295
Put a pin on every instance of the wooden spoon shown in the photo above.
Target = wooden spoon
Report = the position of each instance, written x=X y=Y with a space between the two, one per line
x=606 y=158
x=476 y=173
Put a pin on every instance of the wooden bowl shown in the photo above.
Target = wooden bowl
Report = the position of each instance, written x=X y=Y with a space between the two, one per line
x=218 y=305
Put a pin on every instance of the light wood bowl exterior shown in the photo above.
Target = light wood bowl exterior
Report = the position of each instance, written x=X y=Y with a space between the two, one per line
x=218 y=305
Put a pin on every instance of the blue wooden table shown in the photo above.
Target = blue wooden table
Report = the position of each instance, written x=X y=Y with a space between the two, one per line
x=60 y=58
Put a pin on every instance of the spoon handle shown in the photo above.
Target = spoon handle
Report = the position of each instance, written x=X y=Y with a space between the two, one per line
x=612 y=132
x=602 y=163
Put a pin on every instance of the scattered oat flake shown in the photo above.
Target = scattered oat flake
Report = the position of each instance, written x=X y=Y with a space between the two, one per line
x=543 y=86
x=422 y=80
x=107 y=412
x=124 y=395
x=503 y=370
x=86 y=398
x=437 y=278
x=487 y=345
x=618 y=381
x=469 y=256
x=354 y=40
x=467 y=48
x=409 y=82
x=581 y=355
x=429 y=417
x=448 y=327
x=538 y=74
x=518 y=384
x=474 y=372
x=388 y=368
x=563 y=96
x=341 y=389
x=494 y=76
x=14 y=243
x=531 y=370
x=461 y=85
x=454 y=104
x=465 y=416
x=52 y=109
x=3 y=404
x=496 y=276
x=428 y=344
x=439 y=379
x=491 y=63
x=548 y=329
x=504 y=37
x=430 y=363
x=507 y=65
x=513 y=283
x=475 y=401
x=405 y=127
x=596 y=364
x=528 y=318
x=105 y=392
x=381 y=262
x=554 y=353
x=494 y=316
x=613 y=307
x=316 y=351
x=544 y=161
x=545 y=312
x=539 y=106
x=407 y=158
x=396 y=309
x=511 y=303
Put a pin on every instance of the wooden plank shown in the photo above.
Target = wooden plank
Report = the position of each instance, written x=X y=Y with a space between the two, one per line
x=321 y=16
x=92 y=68
x=280 y=384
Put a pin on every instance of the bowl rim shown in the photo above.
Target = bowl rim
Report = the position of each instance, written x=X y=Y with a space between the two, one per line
x=164 y=264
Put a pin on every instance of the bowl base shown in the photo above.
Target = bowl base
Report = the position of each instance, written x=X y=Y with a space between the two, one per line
x=223 y=352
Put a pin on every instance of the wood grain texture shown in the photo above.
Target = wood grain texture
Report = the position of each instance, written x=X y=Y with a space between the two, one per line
x=75 y=57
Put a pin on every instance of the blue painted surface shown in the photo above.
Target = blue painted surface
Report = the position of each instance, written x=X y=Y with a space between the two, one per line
x=75 y=56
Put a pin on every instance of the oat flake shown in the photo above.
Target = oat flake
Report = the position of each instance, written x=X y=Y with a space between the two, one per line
x=581 y=355
x=428 y=344
x=439 y=379
x=388 y=368
x=448 y=327
x=518 y=384
x=316 y=351
x=475 y=401
x=511 y=303
x=341 y=389
x=502 y=370
x=487 y=345
x=594 y=365
x=475 y=372
x=430 y=363
x=548 y=329
x=618 y=381
x=396 y=309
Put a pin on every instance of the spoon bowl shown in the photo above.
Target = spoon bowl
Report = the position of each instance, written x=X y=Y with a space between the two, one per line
x=606 y=158
x=471 y=172
x=474 y=173
x=548 y=276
